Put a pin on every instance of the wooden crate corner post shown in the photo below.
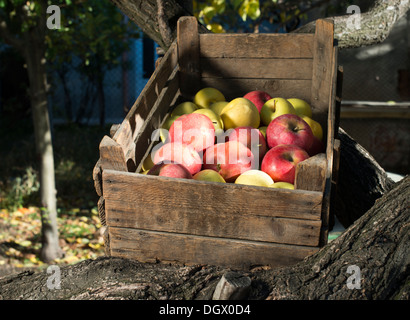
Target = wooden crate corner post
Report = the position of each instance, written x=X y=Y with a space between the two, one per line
x=188 y=56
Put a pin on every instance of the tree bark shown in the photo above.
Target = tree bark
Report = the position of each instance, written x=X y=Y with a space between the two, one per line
x=371 y=260
x=361 y=181
x=34 y=55
x=364 y=29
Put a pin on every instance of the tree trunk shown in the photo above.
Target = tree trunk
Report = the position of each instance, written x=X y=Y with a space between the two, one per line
x=368 y=28
x=371 y=260
x=145 y=14
x=34 y=53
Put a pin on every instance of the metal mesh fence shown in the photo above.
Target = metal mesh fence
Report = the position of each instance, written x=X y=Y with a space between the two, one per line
x=75 y=98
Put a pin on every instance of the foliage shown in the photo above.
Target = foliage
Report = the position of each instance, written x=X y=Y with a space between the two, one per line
x=80 y=236
x=78 y=221
x=259 y=15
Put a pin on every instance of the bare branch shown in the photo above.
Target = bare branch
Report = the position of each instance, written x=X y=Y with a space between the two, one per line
x=374 y=25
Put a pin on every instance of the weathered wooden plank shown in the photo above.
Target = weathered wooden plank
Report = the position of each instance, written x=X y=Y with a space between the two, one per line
x=157 y=194
x=97 y=177
x=322 y=74
x=111 y=155
x=155 y=118
x=188 y=56
x=257 y=68
x=136 y=117
x=152 y=246
x=221 y=223
x=233 y=88
x=249 y=45
x=311 y=173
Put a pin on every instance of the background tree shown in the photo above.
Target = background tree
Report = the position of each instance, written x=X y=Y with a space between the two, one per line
x=23 y=26
x=92 y=31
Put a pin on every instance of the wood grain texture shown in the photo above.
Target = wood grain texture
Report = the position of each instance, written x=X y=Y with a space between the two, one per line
x=151 y=246
x=322 y=73
x=155 y=118
x=250 y=45
x=138 y=115
x=188 y=56
x=157 y=194
x=311 y=173
x=111 y=155
x=218 y=223
x=234 y=88
x=267 y=68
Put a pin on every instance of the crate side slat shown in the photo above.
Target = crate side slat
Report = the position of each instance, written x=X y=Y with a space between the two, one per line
x=257 y=68
x=138 y=114
x=155 y=118
x=161 y=193
x=213 y=223
x=233 y=88
x=250 y=45
x=152 y=246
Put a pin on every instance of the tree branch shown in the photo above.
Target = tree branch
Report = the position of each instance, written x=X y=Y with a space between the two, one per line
x=364 y=29
x=162 y=20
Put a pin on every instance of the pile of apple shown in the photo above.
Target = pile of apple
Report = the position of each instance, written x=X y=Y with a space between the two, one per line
x=254 y=139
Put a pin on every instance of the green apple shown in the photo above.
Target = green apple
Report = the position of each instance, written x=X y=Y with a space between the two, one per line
x=274 y=108
x=215 y=118
x=184 y=108
x=263 y=130
x=240 y=112
x=254 y=177
x=218 y=106
x=206 y=96
x=282 y=185
x=301 y=106
x=209 y=175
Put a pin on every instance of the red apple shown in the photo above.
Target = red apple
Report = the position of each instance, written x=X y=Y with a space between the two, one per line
x=258 y=98
x=174 y=152
x=280 y=162
x=172 y=170
x=229 y=159
x=289 y=129
x=252 y=138
x=193 y=129
x=316 y=147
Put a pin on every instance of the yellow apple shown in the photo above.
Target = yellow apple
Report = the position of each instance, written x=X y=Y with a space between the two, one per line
x=163 y=131
x=206 y=96
x=301 y=106
x=315 y=126
x=218 y=106
x=209 y=175
x=254 y=177
x=147 y=163
x=215 y=118
x=275 y=107
x=282 y=185
x=263 y=130
x=184 y=108
x=240 y=112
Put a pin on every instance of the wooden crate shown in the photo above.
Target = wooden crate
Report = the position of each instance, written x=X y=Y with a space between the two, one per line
x=151 y=218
